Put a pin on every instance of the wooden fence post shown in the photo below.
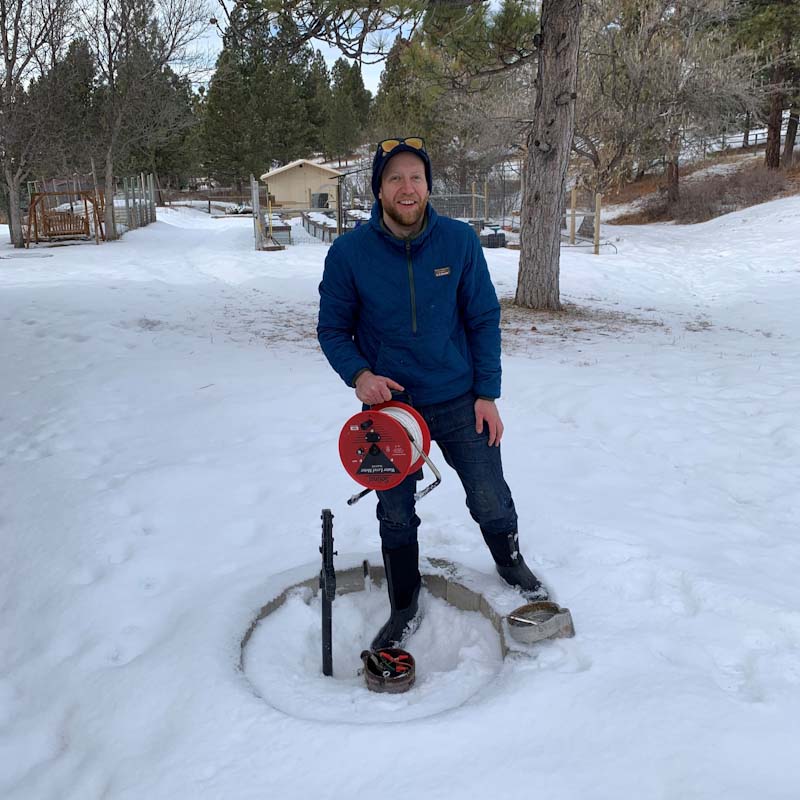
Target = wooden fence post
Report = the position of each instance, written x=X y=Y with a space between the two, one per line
x=145 y=209
x=573 y=204
x=597 y=205
x=255 y=211
x=152 y=181
x=134 y=204
x=137 y=201
x=96 y=203
x=339 y=209
x=125 y=191
x=86 y=216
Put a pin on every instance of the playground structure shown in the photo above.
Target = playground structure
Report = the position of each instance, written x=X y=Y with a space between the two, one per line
x=51 y=217
x=64 y=209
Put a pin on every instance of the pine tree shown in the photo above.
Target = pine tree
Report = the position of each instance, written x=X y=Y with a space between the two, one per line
x=262 y=102
x=315 y=93
x=406 y=104
x=362 y=97
x=226 y=127
x=66 y=92
x=772 y=28
x=349 y=111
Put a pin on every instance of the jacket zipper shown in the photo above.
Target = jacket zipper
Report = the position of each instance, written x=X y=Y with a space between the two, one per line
x=411 y=288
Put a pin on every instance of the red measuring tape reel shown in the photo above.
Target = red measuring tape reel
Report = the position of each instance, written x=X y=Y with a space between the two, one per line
x=379 y=448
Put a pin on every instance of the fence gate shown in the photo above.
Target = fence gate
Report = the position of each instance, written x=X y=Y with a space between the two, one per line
x=265 y=236
x=258 y=222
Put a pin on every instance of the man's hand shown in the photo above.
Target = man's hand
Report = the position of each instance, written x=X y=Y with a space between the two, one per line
x=486 y=411
x=373 y=389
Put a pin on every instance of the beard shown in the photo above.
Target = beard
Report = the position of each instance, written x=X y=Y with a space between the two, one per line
x=408 y=217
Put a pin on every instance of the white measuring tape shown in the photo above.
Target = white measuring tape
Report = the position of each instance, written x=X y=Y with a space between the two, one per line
x=411 y=425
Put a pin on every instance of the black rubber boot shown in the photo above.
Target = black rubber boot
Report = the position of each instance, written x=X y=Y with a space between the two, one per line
x=511 y=565
x=403 y=583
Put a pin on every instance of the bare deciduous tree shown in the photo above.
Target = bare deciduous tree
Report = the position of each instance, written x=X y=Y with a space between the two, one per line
x=699 y=83
x=31 y=33
x=133 y=43
x=653 y=78
x=618 y=49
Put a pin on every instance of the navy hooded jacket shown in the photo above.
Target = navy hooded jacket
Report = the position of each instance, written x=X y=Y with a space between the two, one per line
x=421 y=311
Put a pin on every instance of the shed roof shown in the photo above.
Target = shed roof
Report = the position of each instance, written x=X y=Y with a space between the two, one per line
x=299 y=162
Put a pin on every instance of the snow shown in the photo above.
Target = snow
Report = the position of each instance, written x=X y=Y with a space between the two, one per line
x=321 y=219
x=168 y=436
x=447 y=677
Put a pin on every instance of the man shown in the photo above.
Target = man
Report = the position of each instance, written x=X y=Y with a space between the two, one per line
x=408 y=311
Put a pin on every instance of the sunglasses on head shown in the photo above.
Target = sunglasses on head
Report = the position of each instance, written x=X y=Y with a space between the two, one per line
x=388 y=145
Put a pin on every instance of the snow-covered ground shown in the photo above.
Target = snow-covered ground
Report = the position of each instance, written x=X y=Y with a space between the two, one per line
x=168 y=436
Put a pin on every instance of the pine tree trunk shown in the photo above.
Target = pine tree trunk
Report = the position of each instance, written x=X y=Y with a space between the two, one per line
x=746 y=136
x=791 y=138
x=772 y=158
x=14 y=217
x=548 y=148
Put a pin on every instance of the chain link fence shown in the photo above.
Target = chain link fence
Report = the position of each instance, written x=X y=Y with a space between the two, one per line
x=495 y=199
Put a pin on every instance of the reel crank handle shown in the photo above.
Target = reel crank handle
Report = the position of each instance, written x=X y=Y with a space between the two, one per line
x=417 y=495
x=432 y=486
x=356 y=497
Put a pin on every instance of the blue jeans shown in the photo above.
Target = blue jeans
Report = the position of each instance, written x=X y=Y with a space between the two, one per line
x=452 y=426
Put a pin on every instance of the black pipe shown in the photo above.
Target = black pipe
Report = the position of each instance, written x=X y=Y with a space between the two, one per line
x=327 y=585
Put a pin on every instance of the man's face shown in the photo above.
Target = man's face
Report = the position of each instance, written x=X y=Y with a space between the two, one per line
x=404 y=191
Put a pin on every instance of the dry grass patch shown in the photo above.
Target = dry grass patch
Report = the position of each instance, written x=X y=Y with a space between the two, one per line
x=793 y=177
x=631 y=192
x=712 y=196
x=275 y=324
x=652 y=210
x=524 y=328
x=721 y=194
x=650 y=184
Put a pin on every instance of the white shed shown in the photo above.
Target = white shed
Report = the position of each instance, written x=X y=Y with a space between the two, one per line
x=295 y=183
